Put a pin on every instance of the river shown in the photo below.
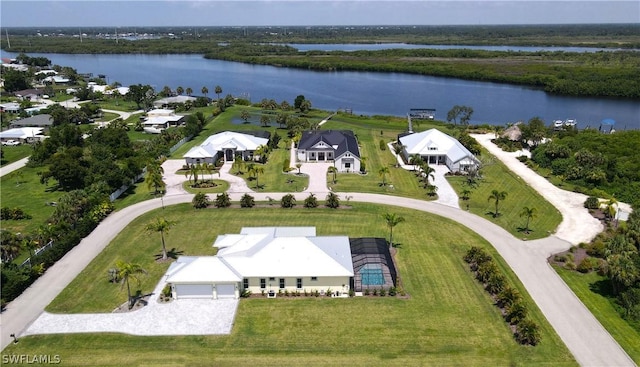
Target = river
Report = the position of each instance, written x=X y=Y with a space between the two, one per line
x=365 y=93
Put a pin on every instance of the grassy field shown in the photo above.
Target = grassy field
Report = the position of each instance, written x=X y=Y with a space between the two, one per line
x=496 y=176
x=448 y=319
x=595 y=292
x=22 y=188
x=11 y=154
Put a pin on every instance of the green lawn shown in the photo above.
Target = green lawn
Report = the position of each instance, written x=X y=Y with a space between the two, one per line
x=448 y=319
x=22 y=188
x=12 y=154
x=496 y=176
x=222 y=186
x=594 y=291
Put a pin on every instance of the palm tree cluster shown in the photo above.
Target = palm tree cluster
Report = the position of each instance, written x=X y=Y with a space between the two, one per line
x=507 y=298
x=424 y=172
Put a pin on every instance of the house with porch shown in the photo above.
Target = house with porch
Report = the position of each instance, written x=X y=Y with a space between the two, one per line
x=337 y=146
x=266 y=260
x=227 y=145
x=23 y=134
x=436 y=147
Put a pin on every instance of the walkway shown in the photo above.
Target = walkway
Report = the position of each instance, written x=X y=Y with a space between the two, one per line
x=5 y=170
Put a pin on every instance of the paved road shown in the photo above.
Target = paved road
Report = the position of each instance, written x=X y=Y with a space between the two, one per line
x=13 y=166
x=587 y=340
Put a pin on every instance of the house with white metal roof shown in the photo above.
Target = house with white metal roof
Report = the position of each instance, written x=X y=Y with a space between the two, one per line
x=227 y=145
x=23 y=134
x=436 y=147
x=266 y=260
x=160 y=119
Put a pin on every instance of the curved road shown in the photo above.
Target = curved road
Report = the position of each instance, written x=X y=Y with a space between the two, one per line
x=588 y=341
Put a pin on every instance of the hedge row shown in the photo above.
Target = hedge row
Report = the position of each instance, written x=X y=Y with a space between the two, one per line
x=507 y=298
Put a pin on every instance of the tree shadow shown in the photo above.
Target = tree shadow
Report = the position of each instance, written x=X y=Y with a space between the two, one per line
x=171 y=254
x=397 y=245
x=602 y=287
x=525 y=230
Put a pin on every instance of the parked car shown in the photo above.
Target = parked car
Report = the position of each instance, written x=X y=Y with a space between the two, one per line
x=11 y=142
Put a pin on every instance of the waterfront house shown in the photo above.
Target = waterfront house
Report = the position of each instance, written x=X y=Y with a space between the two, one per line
x=436 y=147
x=337 y=146
x=227 y=145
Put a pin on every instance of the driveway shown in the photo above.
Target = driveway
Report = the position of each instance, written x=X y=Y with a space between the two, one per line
x=182 y=317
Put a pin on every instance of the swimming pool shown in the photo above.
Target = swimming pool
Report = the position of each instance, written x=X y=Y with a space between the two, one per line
x=371 y=274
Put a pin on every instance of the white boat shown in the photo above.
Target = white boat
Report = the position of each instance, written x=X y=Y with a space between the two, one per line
x=570 y=122
x=558 y=124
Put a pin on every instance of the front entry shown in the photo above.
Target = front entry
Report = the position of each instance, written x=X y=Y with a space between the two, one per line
x=228 y=155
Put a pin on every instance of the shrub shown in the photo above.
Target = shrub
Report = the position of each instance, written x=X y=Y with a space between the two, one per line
x=352 y=293
x=587 y=264
x=570 y=265
x=286 y=165
x=523 y=158
x=166 y=291
x=222 y=200
x=383 y=145
x=383 y=292
x=200 y=201
x=375 y=291
x=332 y=201
x=367 y=292
x=592 y=202
x=393 y=291
x=311 y=201
x=288 y=201
x=7 y=213
x=247 y=201
x=516 y=312
x=560 y=258
x=527 y=332
x=245 y=293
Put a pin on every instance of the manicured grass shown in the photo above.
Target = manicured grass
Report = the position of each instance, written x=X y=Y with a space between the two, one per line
x=22 y=188
x=595 y=292
x=222 y=186
x=496 y=176
x=448 y=319
x=12 y=154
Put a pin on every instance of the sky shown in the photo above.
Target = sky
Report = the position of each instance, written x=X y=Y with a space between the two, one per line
x=87 y=13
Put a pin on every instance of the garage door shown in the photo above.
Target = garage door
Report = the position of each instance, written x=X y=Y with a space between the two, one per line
x=194 y=290
x=226 y=290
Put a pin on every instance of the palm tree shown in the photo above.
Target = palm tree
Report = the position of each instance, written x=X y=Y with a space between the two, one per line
x=154 y=177
x=397 y=150
x=205 y=91
x=128 y=271
x=238 y=162
x=530 y=213
x=497 y=196
x=383 y=172
x=265 y=120
x=189 y=91
x=218 y=91
x=427 y=172
x=333 y=170
x=179 y=90
x=611 y=209
x=465 y=194
x=163 y=226
x=258 y=170
x=245 y=116
x=392 y=220
x=416 y=160
x=262 y=152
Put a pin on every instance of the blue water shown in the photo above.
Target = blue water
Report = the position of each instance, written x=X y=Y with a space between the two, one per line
x=366 y=93
x=371 y=274
x=388 y=46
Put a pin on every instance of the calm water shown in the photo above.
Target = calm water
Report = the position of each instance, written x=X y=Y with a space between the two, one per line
x=365 y=93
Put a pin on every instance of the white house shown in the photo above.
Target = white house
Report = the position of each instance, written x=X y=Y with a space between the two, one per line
x=160 y=119
x=266 y=260
x=338 y=146
x=227 y=145
x=173 y=100
x=436 y=147
x=23 y=134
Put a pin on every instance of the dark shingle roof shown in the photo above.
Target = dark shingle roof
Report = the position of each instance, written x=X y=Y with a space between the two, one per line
x=36 y=121
x=345 y=141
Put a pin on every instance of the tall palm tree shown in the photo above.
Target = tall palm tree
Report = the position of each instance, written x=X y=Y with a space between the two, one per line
x=257 y=171
x=383 y=172
x=154 y=177
x=162 y=226
x=530 y=213
x=128 y=271
x=179 y=90
x=189 y=91
x=218 y=91
x=497 y=196
x=397 y=150
x=392 y=220
x=205 y=91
